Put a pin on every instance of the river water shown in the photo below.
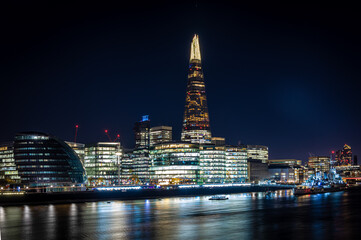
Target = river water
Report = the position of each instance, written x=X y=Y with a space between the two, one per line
x=243 y=216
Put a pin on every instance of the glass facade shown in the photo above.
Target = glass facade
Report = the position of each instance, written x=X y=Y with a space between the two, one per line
x=174 y=163
x=141 y=165
x=127 y=168
x=236 y=163
x=102 y=163
x=196 y=127
x=212 y=164
x=79 y=148
x=8 y=172
x=44 y=160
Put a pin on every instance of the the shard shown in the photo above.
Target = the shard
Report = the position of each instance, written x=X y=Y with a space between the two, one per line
x=196 y=128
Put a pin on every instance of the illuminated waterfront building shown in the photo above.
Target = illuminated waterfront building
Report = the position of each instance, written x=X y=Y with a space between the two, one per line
x=257 y=152
x=8 y=172
x=102 y=162
x=212 y=164
x=236 y=163
x=127 y=167
x=319 y=163
x=141 y=164
x=160 y=134
x=196 y=127
x=344 y=156
x=44 y=160
x=79 y=148
x=174 y=163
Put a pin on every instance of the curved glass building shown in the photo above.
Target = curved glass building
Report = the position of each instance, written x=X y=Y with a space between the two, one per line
x=44 y=160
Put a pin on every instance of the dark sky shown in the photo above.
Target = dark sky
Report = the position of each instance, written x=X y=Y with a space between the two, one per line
x=285 y=76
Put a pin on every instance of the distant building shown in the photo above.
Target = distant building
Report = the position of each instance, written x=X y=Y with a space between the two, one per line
x=257 y=170
x=219 y=141
x=79 y=148
x=142 y=132
x=287 y=173
x=8 y=172
x=289 y=162
x=102 y=162
x=344 y=156
x=174 y=163
x=257 y=152
x=44 y=160
x=319 y=163
x=212 y=164
x=236 y=163
x=196 y=127
x=160 y=134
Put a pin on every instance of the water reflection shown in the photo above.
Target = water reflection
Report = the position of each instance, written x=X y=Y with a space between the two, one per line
x=243 y=216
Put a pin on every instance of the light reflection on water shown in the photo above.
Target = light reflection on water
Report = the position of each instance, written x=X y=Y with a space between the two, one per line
x=243 y=216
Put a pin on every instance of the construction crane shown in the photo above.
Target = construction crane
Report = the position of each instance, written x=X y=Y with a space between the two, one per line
x=76 y=132
x=110 y=139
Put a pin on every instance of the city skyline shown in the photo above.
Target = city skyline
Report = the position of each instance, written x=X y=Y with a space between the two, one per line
x=292 y=118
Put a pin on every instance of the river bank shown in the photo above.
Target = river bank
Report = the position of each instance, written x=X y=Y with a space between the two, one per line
x=132 y=194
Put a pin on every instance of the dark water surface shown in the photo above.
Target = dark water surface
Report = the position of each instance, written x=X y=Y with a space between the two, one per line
x=243 y=216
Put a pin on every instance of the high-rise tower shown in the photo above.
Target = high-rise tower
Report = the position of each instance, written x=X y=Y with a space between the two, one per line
x=196 y=128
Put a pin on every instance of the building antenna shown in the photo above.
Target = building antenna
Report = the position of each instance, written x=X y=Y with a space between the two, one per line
x=76 y=132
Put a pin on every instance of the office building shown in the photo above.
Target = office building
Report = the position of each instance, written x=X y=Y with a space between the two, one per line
x=102 y=163
x=319 y=163
x=127 y=167
x=257 y=152
x=141 y=164
x=196 y=127
x=160 y=134
x=218 y=141
x=289 y=162
x=141 y=132
x=174 y=163
x=344 y=156
x=257 y=170
x=8 y=171
x=236 y=163
x=212 y=164
x=44 y=160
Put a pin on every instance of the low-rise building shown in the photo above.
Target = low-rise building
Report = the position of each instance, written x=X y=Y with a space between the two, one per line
x=236 y=163
x=102 y=163
x=212 y=164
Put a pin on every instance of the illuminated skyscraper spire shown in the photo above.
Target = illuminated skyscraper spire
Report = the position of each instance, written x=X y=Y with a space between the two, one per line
x=195 y=50
x=196 y=128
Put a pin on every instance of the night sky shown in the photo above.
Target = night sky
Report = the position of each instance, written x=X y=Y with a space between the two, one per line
x=285 y=76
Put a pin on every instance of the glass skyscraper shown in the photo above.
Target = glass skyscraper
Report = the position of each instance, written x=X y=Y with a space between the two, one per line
x=196 y=128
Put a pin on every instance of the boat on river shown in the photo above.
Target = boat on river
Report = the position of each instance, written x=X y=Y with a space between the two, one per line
x=218 y=198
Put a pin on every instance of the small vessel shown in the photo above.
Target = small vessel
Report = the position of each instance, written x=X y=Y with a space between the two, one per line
x=218 y=198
